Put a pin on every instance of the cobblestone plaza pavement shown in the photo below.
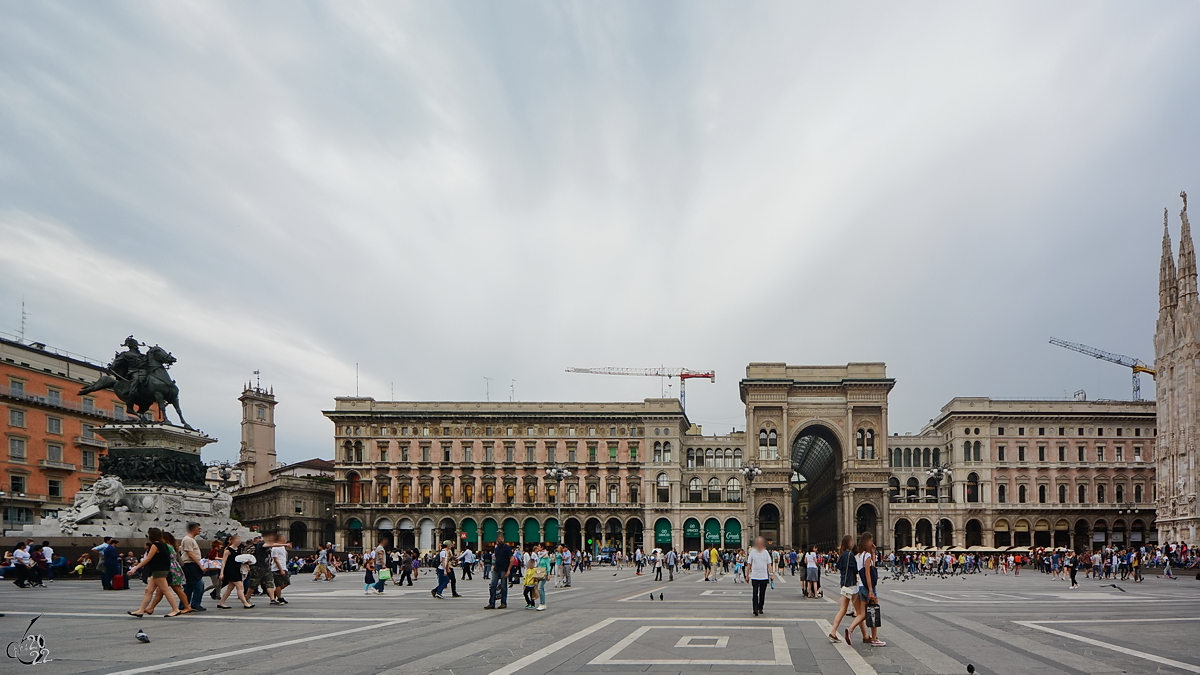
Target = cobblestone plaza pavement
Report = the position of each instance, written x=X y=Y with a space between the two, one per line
x=608 y=623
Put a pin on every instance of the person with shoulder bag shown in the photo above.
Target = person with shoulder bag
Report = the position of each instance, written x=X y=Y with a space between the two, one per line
x=868 y=579
x=540 y=574
x=847 y=568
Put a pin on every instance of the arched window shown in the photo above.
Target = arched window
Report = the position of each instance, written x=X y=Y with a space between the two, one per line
x=894 y=487
x=1100 y=494
x=1041 y=494
x=447 y=493
x=733 y=490
x=426 y=493
x=1021 y=490
x=572 y=494
x=913 y=486
x=926 y=456
x=931 y=489
x=663 y=489
x=658 y=452
x=667 y=451
x=762 y=443
x=976 y=448
x=972 y=487
x=891 y=459
x=870 y=444
x=708 y=458
x=937 y=456
x=966 y=451
x=694 y=490
x=860 y=443
x=355 y=488
x=714 y=489
x=593 y=493
x=1137 y=494
x=614 y=493
x=510 y=493
x=358 y=452
x=1120 y=492
x=349 y=448
x=1062 y=493
x=737 y=458
x=1082 y=494
x=1002 y=494
x=489 y=493
x=691 y=458
x=907 y=457
x=728 y=458
x=405 y=493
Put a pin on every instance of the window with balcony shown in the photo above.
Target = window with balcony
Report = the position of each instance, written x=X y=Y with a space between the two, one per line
x=663 y=489
x=426 y=493
x=658 y=456
x=614 y=494
x=510 y=494
x=385 y=493
x=633 y=493
x=1120 y=450
x=54 y=452
x=489 y=493
x=1100 y=453
x=733 y=490
x=405 y=494
x=16 y=483
x=17 y=387
x=469 y=493
x=447 y=493
x=593 y=494
x=972 y=487
x=667 y=451
x=572 y=494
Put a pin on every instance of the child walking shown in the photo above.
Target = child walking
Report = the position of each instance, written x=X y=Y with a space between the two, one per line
x=530 y=585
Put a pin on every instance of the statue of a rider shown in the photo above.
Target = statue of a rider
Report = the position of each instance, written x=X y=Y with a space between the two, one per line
x=140 y=380
x=131 y=365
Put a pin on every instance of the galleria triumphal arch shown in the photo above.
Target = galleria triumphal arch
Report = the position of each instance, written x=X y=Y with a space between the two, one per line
x=821 y=439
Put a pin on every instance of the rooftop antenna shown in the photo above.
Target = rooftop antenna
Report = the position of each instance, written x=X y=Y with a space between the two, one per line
x=512 y=391
x=24 y=315
x=393 y=384
x=257 y=380
x=487 y=387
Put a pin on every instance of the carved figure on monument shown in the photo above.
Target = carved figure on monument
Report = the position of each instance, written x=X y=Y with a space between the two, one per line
x=107 y=494
x=141 y=381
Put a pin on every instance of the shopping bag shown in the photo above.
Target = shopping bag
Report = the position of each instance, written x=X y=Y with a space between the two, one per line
x=385 y=574
x=874 y=616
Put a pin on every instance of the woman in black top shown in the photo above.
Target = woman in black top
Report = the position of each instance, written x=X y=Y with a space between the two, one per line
x=231 y=572
x=157 y=563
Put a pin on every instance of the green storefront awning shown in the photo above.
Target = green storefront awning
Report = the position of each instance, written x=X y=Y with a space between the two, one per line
x=532 y=531
x=712 y=532
x=662 y=531
x=512 y=531
x=733 y=532
x=489 y=530
x=468 y=528
x=552 y=530
x=354 y=524
x=691 y=529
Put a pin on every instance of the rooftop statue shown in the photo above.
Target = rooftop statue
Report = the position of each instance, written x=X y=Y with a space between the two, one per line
x=140 y=380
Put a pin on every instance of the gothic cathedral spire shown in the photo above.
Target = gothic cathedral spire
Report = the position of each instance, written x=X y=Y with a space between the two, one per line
x=1187 y=261
x=1168 y=288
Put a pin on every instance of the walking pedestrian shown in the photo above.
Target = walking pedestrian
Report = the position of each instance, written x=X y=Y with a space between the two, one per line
x=867 y=579
x=761 y=570
x=498 y=589
x=1071 y=563
x=157 y=562
x=544 y=563
x=193 y=570
x=444 y=573
x=232 y=574
x=847 y=568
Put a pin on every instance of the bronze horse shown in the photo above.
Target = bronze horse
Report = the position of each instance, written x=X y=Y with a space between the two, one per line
x=156 y=388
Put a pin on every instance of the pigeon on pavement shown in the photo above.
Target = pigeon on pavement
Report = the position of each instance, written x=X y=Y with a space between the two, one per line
x=141 y=636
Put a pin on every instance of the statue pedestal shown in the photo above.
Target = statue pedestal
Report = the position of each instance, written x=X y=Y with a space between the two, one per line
x=153 y=477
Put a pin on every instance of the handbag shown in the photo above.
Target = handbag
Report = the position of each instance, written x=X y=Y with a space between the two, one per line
x=539 y=574
x=385 y=574
x=874 y=616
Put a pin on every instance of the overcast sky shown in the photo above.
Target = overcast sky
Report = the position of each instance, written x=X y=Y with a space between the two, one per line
x=445 y=191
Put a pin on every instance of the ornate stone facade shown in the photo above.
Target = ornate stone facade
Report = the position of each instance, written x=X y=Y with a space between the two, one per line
x=1176 y=359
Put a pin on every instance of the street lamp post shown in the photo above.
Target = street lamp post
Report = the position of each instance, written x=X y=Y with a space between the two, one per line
x=798 y=482
x=750 y=471
x=938 y=473
x=557 y=474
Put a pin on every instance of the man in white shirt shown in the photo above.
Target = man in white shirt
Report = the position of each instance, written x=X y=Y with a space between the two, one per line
x=761 y=570
x=279 y=569
x=49 y=553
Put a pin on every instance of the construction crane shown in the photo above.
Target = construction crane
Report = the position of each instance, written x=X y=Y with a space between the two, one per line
x=1136 y=365
x=682 y=373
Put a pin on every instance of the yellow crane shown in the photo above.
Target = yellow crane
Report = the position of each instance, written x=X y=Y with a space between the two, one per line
x=1136 y=365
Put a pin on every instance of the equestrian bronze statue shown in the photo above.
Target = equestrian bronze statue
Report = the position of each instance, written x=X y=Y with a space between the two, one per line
x=141 y=381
